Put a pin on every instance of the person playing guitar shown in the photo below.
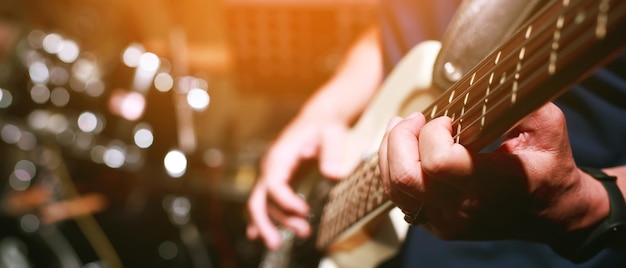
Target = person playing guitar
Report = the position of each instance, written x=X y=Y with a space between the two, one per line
x=520 y=162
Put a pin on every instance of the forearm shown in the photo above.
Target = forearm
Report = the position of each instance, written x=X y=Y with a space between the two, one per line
x=354 y=83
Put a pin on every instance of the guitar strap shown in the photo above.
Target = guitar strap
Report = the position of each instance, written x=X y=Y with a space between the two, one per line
x=477 y=27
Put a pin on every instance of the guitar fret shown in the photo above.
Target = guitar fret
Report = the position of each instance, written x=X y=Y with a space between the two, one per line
x=555 y=45
x=433 y=112
x=484 y=116
x=529 y=30
x=342 y=215
x=504 y=66
x=546 y=43
x=602 y=19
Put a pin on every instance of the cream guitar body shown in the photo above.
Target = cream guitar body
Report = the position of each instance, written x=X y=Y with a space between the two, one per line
x=378 y=235
x=407 y=89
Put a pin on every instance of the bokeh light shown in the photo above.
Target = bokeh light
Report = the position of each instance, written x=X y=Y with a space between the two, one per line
x=129 y=105
x=143 y=137
x=29 y=223
x=6 y=98
x=40 y=94
x=175 y=163
x=213 y=158
x=57 y=123
x=69 y=51
x=53 y=43
x=59 y=76
x=163 y=82
x=168 y=250
x=114 y=157
x=10 y=133
x=198 y=99
x=131 y=55
x=59 y=97
x=39 y=72
x=149 y=62
x=87 y=122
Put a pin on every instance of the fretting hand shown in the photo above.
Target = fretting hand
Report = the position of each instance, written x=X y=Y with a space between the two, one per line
x=528 y=188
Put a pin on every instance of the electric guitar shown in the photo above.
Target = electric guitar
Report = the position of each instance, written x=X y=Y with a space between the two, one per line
x=558 y=46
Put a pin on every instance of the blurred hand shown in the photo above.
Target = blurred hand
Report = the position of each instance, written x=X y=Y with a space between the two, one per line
x=317 y=132
x=272 y=200
x=529 y=188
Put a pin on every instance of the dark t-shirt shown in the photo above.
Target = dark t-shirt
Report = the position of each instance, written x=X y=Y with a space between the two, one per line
x=595 y=111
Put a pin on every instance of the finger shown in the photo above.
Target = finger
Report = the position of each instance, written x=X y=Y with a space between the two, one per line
x=252 y=232
x=441 y=157
x=287 y=199
x=277 y=170
x=331 y=156
x=261 y=225
x=404 y=157
x=402 y=199
x=296 y=223
x=382 y=155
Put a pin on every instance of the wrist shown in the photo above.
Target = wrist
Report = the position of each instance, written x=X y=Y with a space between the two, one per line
x=593 y=235
x=597 y=207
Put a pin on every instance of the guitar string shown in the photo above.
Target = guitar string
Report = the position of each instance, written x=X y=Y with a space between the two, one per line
x=481 y=79
x=477 y=105
x=352 y=177
x=467 y=79
x=589 y=35
x=534 y=67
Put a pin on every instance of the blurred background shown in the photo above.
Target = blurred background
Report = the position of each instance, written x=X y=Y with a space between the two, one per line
x=131 y=131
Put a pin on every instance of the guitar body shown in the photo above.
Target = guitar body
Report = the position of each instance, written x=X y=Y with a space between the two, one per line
x=406 y=89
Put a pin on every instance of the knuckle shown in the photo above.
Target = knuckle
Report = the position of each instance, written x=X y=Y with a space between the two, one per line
x=435 y=163
x=404 y=177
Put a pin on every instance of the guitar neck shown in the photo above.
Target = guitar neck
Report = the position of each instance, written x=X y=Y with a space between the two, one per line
x=561 y=45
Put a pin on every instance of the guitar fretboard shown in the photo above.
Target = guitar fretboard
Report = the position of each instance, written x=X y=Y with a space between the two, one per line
x=353 y=198
x=563 y=43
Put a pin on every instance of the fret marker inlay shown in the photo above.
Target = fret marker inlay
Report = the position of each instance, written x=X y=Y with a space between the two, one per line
x=458 y=130
x=603 y=10
x=580 y=17
x=482 y=119
x=555 y=44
